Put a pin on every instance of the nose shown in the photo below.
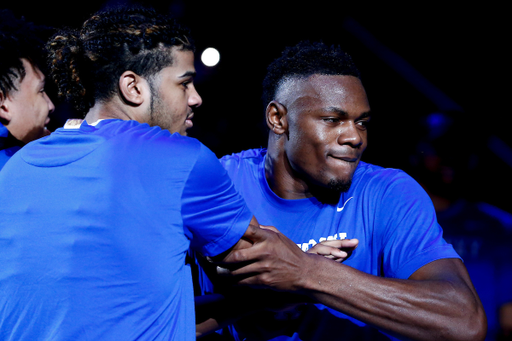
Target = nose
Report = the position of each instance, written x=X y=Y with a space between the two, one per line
x=51 y=106
x=351 y=135
x=194 y=100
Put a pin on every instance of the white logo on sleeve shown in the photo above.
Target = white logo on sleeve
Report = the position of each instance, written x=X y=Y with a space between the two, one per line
x=339 y=209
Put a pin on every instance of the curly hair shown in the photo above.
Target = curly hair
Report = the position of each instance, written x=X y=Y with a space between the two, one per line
x=19 y=39
x=303 y=60
x=86 y=64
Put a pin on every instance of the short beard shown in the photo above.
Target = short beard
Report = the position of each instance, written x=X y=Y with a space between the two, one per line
x=155 y=104
x=339 y=185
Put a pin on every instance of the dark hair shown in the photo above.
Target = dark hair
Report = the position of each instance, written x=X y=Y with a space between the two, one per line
x=303 y=60
x=86 y=64
x=19 y=39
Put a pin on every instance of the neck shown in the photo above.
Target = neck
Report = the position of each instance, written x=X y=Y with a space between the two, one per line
x=108 y=110
x=287 y=183
x=10 y=141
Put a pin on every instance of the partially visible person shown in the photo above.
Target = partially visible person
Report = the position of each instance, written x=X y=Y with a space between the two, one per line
x=505 y=318
x=24 y=104
x=403 y=281
x=481 y=233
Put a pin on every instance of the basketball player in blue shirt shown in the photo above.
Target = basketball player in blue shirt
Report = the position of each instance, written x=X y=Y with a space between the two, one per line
x=402 y=281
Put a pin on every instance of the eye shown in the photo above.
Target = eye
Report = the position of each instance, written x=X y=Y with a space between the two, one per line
x=363 y=124
x=331 y=119
x=186 y=83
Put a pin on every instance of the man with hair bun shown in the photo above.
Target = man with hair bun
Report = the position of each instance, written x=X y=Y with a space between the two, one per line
x=24 y=104
x=402 y=282
x=97 y=218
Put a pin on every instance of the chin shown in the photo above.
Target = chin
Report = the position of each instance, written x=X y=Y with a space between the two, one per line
x=339 y=185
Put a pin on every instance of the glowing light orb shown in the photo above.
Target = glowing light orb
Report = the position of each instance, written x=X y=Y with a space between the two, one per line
x=210 y=57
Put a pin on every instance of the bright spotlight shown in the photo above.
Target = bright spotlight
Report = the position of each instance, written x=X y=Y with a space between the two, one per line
x=210 y=57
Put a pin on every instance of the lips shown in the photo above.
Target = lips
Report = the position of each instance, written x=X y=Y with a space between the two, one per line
x=188 y=121
x=345 y=158
x=45 y=129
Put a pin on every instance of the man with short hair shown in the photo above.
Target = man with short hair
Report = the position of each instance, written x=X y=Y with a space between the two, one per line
x=24 y=104
x=402 y=281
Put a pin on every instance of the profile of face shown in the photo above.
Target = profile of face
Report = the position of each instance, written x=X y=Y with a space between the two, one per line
x=327 y=119
x=174 y=96
x=26 y=109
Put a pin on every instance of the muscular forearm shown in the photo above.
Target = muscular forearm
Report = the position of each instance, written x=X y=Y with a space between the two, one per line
x=419 y=309
x=437 y=302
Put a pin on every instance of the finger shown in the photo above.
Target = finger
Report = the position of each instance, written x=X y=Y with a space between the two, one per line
x=352 y=243
x=271 y=228
x=257 y=233
x=223 y=271
x=239 y=257
x=341 y=244
x=325 y=250
x=265 y=242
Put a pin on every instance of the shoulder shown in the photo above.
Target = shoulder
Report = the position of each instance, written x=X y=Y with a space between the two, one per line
x=246 y=156
x=251 y=158
x=389 y=190
x=152 y=139
x=369 y=175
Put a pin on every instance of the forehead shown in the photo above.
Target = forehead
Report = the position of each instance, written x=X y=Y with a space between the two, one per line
x=183 y=62
x=33 y=77
x=324 y=91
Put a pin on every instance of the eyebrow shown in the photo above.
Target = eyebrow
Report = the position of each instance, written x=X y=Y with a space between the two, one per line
x=341 y=112
x=41 y=84
x=188 y=74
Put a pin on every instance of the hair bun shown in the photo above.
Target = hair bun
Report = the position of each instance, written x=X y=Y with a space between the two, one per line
x=65 y=55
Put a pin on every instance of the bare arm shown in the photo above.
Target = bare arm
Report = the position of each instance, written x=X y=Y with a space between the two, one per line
x=218 y=310
x=437 y=302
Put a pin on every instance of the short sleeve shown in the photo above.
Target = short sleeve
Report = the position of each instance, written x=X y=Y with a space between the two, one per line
x=412 y=237
x=214 y=213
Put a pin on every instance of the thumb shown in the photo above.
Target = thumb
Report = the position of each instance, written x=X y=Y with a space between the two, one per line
x=258 y=233
x=271 y=228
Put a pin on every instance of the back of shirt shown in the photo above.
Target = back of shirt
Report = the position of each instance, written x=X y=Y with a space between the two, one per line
x=95 y=224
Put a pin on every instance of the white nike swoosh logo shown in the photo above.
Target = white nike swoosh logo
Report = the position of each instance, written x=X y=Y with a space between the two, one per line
x=339 y=209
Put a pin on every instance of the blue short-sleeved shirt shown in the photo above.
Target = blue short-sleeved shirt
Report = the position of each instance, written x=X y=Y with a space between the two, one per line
x=385 y=209
x=95 y=224
x=6 y=149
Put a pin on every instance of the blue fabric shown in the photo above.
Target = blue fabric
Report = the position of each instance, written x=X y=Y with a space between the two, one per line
x=5 y=152
x=94 y=229
x=385 y=209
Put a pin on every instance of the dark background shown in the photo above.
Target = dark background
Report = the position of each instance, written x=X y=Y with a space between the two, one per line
x=460 y=52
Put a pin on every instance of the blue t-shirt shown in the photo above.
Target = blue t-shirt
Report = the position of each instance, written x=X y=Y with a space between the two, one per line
x=95 y=224
x=385 y=209
x=6 y=150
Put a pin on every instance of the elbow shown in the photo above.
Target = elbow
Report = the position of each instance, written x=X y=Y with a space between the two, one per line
x=472 y=324
x=476 y=328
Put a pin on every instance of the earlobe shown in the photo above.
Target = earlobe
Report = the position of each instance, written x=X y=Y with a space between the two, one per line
x=5 y=114
x=132 y=88
x=276 y=117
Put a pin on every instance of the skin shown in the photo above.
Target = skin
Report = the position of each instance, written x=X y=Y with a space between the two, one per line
x=166 y=100
x=505 y=318
x=323 y=141
x=318 y=134
x=26 y=109
x=173 y=105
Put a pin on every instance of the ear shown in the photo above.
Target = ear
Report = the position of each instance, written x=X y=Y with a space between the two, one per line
x=133 y=88
x=5 y=113
x=276 y=117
